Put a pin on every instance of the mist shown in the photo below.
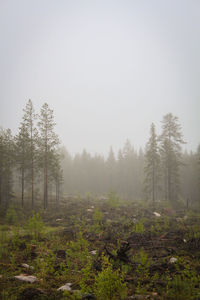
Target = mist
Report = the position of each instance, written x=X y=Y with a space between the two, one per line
x=108 y=69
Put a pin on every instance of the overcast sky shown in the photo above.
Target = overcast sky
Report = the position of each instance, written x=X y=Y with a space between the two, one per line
x=107 y=68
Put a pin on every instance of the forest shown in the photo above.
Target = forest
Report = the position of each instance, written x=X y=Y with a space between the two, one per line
x=124 y=226
x=37 y=170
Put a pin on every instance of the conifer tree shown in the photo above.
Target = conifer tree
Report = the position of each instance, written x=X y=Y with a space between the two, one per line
x=29 y=123
x=152 y=165
x=111 y=166
x=48 y=140
x=6 y=165
x=170 y=150
x=22 y=155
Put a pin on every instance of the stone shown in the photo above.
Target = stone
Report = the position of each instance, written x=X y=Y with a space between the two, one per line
x=173 y=260
x=90 y=210
x=66 y=287
x=26 y=266
x=93 y=252
x=26 y=278
x=156 y=214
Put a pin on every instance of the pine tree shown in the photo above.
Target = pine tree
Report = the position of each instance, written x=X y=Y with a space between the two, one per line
x=170 y=150
x=29 y=123
x=152 y=165
x=48 y=141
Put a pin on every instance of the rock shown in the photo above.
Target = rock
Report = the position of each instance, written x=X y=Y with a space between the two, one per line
x=26 y=266
x=26 y=278
x=58 y=220
x=184 y=240
x=93 y=252
x=92 y=207
x=156 y=214
x=90 y=210
x=173 y=260
x=66 y=287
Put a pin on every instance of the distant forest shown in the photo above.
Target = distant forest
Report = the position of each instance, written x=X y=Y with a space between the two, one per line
x=36 y=170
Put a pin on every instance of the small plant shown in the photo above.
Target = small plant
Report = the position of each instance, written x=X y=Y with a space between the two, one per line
x=113 y=200
x=98 y=216
x=11 y=216
x=35 y=226
x=138 y=227
x=3 y=242
x=45 y=264
x=86 y=279
x=109 y=283
x=179 y=288
x=78 y=253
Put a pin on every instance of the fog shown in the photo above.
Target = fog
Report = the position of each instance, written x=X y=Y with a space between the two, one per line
x=107 y=68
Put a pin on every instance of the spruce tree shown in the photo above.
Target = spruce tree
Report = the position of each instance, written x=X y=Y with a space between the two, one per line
x=170 y=150
x=152 y=165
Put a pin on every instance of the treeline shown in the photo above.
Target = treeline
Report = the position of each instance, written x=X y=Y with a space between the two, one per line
x=30 y=160
x=32 y=166
x=162 y=172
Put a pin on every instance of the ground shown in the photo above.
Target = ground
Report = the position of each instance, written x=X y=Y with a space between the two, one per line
x=106 y=249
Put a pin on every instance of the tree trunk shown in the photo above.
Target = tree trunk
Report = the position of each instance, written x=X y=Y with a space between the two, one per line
x=22 y=187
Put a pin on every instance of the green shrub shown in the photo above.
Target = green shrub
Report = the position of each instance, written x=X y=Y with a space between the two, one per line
x=11 y=216
x=113 y=200
x=109 y=283
x=35 y=226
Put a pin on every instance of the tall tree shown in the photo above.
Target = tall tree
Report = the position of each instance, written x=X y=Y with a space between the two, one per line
x=6 y=165
x=48 y=140
x=22 y=155
x=111 y=166
x=29 y=122
x=170 y=150
x=152 y=165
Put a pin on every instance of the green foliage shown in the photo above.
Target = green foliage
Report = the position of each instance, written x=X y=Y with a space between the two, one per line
x=78 y=253
x=138 y=227
x=35 y=226
x=3 y=242
x=97 y=216
x=109 y=283
x=86 y=279
x=113 y=200
x=45 y=264
x=11 y=215
x=179 y=288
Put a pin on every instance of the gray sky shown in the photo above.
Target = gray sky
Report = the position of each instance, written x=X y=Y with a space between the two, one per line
x=107 y=68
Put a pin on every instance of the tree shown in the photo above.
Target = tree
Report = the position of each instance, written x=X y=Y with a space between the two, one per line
x=22 y=155
x=152 y=165
x=47 y=142
x=28 y=120
x=6 y=165
x=111 y=166
x=170 y=150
